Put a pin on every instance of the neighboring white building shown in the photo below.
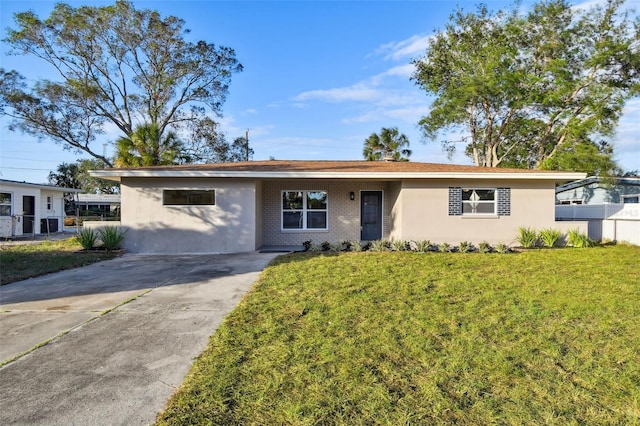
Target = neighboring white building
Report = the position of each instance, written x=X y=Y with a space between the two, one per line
x=30 y=208
x=611 y=206
x=97 y=204
x=596 y=190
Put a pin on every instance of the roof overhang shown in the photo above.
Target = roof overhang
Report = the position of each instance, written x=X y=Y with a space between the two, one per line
x=39 y=186
x=118 y=174
x=632 y=181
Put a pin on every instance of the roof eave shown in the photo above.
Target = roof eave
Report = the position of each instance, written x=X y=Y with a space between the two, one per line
x=42 y=187
x=117 y=175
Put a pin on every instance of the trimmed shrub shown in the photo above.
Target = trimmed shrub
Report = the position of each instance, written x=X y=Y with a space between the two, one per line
x=399 y=245
x=503 y=248
x=527 y=237
x=465 y=247
x=444 y=247
x=306 y=245
x=550 y=237
x=379 y=245
x=578 y=240
x=423 y=246
x=87 y=238
x=484 y=247
x=112 y=237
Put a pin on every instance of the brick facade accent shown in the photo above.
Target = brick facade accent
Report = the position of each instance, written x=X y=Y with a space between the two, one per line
x=344 y=213
x=455 y=201
x=504 y=202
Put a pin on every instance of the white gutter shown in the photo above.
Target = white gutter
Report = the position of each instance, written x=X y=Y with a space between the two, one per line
x=118 y=174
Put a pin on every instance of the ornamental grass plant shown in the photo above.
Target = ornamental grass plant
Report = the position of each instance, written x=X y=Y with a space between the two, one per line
x=527 y=237
x=87 y=238
x=112 y=237
x=550 y=237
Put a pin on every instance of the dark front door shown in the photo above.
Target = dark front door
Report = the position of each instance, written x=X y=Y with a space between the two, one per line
x=28 y=213
x=371 y=215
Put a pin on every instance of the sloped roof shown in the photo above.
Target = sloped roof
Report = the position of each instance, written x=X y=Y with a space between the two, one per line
x=4 y=183
x=333 y=169
x=632 y=181
x=99 y=198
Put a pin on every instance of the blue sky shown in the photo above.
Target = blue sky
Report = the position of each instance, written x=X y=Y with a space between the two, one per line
x=319 y=77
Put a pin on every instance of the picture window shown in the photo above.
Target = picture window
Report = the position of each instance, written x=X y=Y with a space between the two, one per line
x=304 y=210
x=478 y=201
x=189 y=197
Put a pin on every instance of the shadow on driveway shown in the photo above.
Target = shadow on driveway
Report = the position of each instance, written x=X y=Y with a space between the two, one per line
x=129 y=272
x=118 y=367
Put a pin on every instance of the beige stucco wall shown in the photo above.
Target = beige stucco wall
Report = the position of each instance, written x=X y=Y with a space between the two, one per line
x=344 y=214
x=258 y=221
x=228 y=226
x=247 y=214
x=425 y=215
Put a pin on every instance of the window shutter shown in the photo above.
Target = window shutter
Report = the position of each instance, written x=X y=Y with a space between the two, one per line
x=455 y=201
x=504 y=201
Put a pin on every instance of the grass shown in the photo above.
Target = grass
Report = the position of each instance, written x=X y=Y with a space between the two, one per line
x=24 y=261
x=542 y=337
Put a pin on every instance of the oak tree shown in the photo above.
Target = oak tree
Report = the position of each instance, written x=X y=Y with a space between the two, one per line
x=113 y=66
x=519 y=89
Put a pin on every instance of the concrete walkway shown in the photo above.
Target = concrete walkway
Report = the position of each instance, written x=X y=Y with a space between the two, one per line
x=108 y=362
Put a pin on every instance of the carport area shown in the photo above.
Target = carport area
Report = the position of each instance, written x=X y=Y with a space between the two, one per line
x=120 y=335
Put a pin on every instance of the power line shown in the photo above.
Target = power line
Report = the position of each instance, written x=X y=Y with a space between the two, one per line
x=22 y=168
x=28 y=159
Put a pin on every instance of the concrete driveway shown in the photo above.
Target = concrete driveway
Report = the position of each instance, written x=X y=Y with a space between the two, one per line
x=121 y=335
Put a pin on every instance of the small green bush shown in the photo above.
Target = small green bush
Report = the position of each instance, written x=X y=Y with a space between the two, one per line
x=465 y=247
x=484 y=247
x=379 y=245
x=306 y=245
x=325 y=245
x=444 y=247
x=357 y=245
x=527 y=237
x=550 y=237
x=346 y=245
x=112 y=237
x=578 y=240
x=399 y=245
x=423 y=246
x=87 y=238
x=503 y=248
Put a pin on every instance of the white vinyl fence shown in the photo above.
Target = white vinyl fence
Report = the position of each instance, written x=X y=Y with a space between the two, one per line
x=615 y=222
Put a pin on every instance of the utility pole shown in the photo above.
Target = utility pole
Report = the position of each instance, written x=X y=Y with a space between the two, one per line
x=246 y=144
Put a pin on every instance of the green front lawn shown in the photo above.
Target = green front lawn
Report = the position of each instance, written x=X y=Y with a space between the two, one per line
x=540 y=337
x=24 y=261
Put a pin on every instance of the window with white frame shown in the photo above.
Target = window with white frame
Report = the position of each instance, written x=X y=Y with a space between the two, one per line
x=49 y=202
x=304 y=210
x=478 y=201
x=631 y=199
x=5 y=204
